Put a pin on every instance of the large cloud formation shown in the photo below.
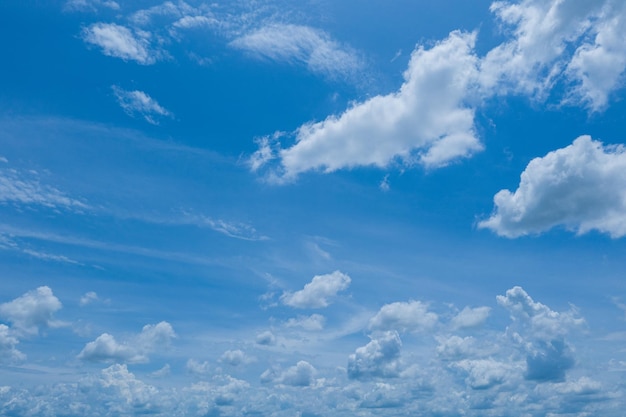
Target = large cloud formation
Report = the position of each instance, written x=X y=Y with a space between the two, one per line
x=581 y=187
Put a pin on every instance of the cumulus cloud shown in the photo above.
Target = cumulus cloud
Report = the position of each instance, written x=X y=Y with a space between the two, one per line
x=135 y=350
x=235 y=358
x=137 y=102
x=31 y=312
x=121 y=42
x=88 y=298
x=300 y=375
x=266 y=338
x=427 y=119
x=316 y=293
x=404 y=316
x=379 y=358
x=541 y=334
x=8 y=343
x=198 y=368
x=470 y=317
x=455 y=347
x=484 y=373
x=581 y=187
x=303 y=45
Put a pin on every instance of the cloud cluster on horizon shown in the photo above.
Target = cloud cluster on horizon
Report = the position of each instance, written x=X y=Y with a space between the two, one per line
x=529 y=365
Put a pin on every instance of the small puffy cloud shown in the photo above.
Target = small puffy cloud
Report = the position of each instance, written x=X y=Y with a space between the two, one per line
x=316 y=293
x=136 y=396
x=404 y=316
x=427 y=119
x=107 y=349
x=8 y=343
x=581 y=187
x=470 y=317
x=198 y=368
x=266 y=338
x=137 y=102
x=300 y=375
x=121 y=42
x=379 y=358
x=484 y=373
x=32 y=311
x=88 y=298
x=303 y=45
x=235 y=357
x=314 y=322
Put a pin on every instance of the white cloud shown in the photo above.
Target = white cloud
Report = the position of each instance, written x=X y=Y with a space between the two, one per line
x=379 y=358
x=484 y=373
x=316 y=293
x=121 y=42
x=26 y=188
x=300 y=375
x=198 y=368
x=106 y=349
x=8 y=343
x=137 y=102
x=88 y=298
x=32 y=311
x=541 y=333
x=542 y=322
x=427 y=120
x=404 y=316
x=598 y=67
x=551 y=43
x=581 y=187
x=301 y=44
x=470 y=317
x=235 y=358
x=314 y=322
x=136 y=396
x=266 y=338
x=456 y=347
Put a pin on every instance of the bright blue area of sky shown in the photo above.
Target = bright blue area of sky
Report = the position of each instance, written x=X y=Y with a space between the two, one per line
x=166 y=222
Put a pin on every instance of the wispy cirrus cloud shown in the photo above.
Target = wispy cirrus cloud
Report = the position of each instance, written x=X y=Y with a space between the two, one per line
x=122 y=42
x=296 y=44
x=137 y=102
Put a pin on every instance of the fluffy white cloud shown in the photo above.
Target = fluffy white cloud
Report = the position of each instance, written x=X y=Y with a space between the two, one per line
x=266 y=338
x=484 y=373
x=581 y=187
x=427 y=119
x=598 y=67
x=470 y=317
x=198 y=368
x=32 y=311
x=300 y=375
x=541 y=334
x=379 y=358
x=137 y=102
x=404 y=316
x=235 y=357
x=88 y=298
x=316 y=293
x=456 y=347
x=8 y=343
x=121 y=42
x=106 y=349
x=301 y=44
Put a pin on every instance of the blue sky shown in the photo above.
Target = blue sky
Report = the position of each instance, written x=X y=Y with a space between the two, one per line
x=312 y=209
